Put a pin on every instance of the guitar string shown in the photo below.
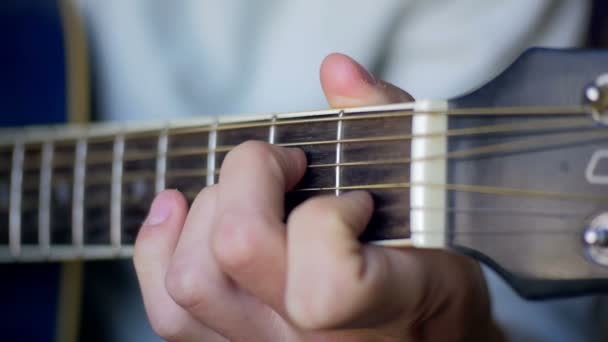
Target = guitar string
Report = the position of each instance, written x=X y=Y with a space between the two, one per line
x=333 y=117
x=479 y=189
x=536 y=142
x=579 y=217
x=103 y=157
x=388 y=186
x=351 y=116
x=471 y=152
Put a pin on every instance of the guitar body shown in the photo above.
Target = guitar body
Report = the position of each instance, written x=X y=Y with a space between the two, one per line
x=43 y=81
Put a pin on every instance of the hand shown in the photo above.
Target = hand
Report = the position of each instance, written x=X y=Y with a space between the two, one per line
x=230 y=268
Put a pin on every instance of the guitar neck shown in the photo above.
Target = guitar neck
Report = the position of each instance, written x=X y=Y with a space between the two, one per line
x=82 y=192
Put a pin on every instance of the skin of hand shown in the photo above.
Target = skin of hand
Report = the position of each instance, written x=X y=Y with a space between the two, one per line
x=230 y=268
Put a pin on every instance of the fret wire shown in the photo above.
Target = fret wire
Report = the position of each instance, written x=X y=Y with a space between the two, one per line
x=338 y=153
x=272 y=130
x=161 y=161
x=501 y=128
x=16 y=193
x=78 y=194
x=212 y=145
x=116 y=193
x=44 y=204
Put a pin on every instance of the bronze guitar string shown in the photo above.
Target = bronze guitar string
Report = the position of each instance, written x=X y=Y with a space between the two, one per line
x=99 y=158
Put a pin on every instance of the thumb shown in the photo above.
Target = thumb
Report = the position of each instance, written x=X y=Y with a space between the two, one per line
x=347 y=84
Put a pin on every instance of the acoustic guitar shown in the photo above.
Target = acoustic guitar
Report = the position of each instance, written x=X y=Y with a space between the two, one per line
x=44 y=80
x=514 y=174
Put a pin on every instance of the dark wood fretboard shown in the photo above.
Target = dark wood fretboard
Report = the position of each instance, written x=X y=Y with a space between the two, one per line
x=82 y=192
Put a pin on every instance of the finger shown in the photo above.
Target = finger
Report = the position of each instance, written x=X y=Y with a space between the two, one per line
x=154 y=246
x=346 y=284
x=325 y=259
x=249 y=236
x=196 y=282
x=193 y=279
x=348 y=84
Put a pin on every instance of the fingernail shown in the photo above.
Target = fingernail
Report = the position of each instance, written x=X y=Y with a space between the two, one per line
x=366 y=75
x=160 y=210
x=362 y=198
x=298 y=155
x=296 y=152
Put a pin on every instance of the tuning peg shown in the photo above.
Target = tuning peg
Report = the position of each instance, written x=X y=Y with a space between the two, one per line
x=595 y=237
x=596 y=98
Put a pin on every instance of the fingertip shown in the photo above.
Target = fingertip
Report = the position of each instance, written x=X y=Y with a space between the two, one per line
x=286 y=165
x=342 y=77
x=156 y=239
x=163 y=206
x=363 y=200
x=298 y=161
x=347 y=83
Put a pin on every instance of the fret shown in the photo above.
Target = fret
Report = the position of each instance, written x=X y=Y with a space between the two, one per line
x=272 y=130
x=252 y=130
x=338 y=152
x=62 y=194
x=187 y=172
x=30 y=194
x=44 y=203
x=391 y=216
x=15 y=199
x=315 y=154
x=78 y=189
x=161 y=160
x=6 y=156
x=98 y=185
x=211 y=146
x=139 y=182
x=116 y=192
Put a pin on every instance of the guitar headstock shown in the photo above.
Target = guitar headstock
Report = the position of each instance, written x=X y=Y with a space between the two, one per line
x=532 y=197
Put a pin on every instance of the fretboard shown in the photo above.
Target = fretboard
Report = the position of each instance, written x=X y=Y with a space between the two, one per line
x=83 y=192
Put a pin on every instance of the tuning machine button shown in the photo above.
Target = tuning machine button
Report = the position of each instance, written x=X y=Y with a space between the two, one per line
x=595 y=238
x=595 y=97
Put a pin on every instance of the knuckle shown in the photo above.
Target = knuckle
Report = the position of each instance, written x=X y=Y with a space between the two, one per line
x=186 y=284
x=235 y=243
x=249 y=150
x=313 y=306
